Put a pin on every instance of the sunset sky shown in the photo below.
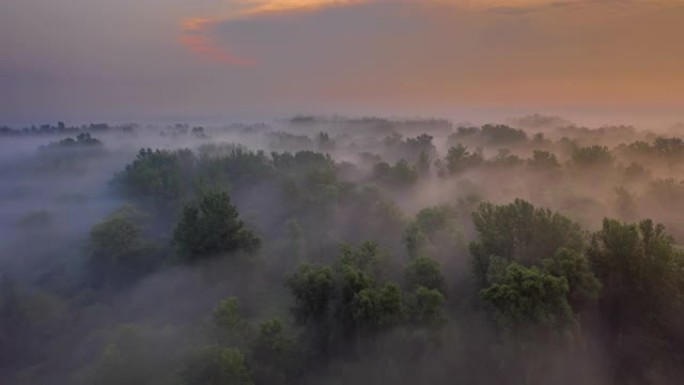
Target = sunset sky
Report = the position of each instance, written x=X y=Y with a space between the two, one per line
x=160 y=60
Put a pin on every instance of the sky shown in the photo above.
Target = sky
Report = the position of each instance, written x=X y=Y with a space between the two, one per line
x=186 y=60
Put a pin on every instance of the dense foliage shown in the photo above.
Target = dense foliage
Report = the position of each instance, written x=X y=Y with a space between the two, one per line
x=342 y=251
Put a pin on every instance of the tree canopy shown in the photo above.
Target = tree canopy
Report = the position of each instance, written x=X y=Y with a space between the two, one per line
x=211 y=226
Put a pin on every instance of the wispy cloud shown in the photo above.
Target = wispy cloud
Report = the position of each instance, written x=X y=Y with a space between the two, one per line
x=259 y=7
x=197 y=33
x=197 y=37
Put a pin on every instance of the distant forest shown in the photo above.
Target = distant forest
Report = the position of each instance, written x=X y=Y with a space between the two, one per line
x=322 y=250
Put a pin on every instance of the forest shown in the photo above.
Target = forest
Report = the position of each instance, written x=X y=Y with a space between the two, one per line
x=333 y=250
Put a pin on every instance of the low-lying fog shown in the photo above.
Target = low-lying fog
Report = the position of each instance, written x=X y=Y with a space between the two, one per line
x=98 y=287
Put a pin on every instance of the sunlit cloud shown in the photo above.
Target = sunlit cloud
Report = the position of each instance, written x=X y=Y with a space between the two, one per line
x=302 y=55
x=569 y=48
x=198 y=33
x=257 y=7
x=197 y=37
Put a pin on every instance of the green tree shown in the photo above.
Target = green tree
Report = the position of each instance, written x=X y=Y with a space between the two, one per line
x=365 y=257
x=162 y=176
x=233 y=166
x=313 y=288
x=347 y=301
x=592 y=156
x=423 y=164
x=436 y=231
x=373 y=309
x=270 y=353
x=117 y=249
x=424 y=272
x=543 y=161
x=459 y=159
x=530 y=300
x=637 y=258
x=574 y=267
x=520 y=232
x=212 y=227
x=425 y=307
x=231 y=328
x=216 y=365
x=502 y=134
x=642 y=298
x=353 y=283
x=275 y=357
x=504 y=159
x=401 y=174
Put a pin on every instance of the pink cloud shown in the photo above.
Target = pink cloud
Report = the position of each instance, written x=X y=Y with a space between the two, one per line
x=196 y=36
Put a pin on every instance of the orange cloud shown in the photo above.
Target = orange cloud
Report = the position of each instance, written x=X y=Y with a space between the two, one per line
x=261 y=7
x=196 y=32
x=196 y=36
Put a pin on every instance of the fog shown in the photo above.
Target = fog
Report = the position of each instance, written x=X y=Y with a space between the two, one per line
x=106 y=276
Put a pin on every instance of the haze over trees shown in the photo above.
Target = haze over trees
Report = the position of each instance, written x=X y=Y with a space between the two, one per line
x=342 y=251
